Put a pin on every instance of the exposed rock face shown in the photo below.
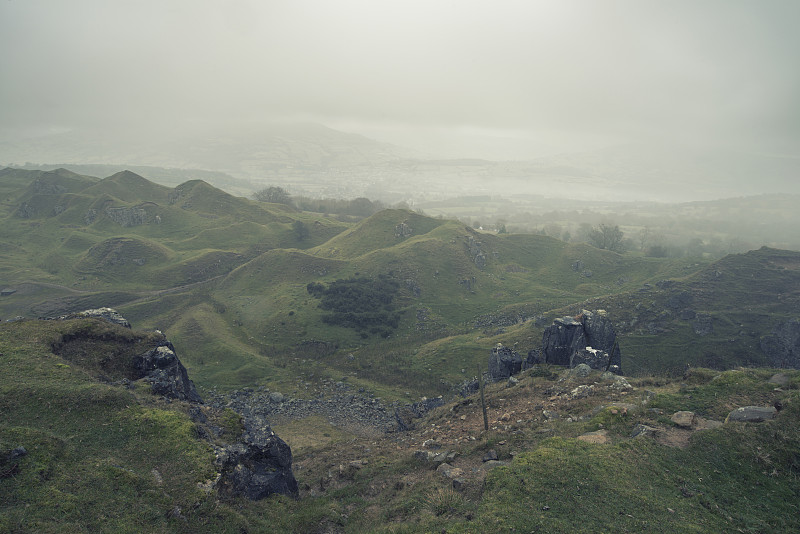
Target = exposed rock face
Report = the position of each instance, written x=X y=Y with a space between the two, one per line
x=503 y=362
x=166 y=374
x=782 y=346
x=258 y=466
x=127 y=217
x=569 y=335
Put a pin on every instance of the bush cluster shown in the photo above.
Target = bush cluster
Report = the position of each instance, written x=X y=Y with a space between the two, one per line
x=363 y=304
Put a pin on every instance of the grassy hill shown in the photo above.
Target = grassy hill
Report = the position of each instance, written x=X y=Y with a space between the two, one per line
x=228 y=279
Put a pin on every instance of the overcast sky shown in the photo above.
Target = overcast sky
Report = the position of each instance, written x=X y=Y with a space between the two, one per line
x=522 y=77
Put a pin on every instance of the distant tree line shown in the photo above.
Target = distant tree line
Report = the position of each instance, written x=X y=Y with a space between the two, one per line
x=357 y=207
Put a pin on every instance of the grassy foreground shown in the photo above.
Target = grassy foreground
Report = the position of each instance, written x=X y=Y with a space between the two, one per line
x=102 y=457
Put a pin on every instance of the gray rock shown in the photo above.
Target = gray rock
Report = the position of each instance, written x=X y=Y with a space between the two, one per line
x=684 y=419
x=276 y=397
x=593 y=358
x=167 y=376
x=568 y=335
x=534 y=358
x=491 y=454
x=449 y=471
x=503 y=362
x=258 y=466
x=581 y=371
x=779 y=379
x=752 y=414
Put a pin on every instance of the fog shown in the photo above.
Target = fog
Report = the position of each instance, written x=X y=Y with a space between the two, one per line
x=506 y=80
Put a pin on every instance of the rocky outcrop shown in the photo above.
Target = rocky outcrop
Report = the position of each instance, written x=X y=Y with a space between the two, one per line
x=109 y=314
x=503 y=362
x=166 y=374
x=782 y=346
x=258 y=465
x=569 y=335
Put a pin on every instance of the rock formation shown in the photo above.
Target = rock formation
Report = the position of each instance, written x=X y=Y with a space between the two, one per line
x=569 y=335
x=166 y=374
x=503 y=362
x=258 y=465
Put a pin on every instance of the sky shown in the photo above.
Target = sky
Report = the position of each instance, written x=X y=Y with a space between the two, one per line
x=503 y=79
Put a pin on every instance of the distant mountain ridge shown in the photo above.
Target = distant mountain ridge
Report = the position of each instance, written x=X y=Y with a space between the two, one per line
x=312 y=158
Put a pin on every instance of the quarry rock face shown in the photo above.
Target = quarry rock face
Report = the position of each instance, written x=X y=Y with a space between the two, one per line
x=782 y=346
x=257 y=466
x=570 y=335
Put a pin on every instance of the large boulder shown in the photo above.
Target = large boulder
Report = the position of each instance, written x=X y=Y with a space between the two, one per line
x=752 y=414
x=167 y=376
x=257 y=466
x=782 y=346
x=568 y=335
x=503 y=362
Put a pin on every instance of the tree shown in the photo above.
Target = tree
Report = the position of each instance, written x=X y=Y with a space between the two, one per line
x=607 y=237
x=275 y=194
x=300 y=230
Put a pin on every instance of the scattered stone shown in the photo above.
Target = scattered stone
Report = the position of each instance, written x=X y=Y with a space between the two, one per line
x=276 y=397
x=512 y=381
x=643 y=430
x=683 y=419
x=449 y=471
x=620 y=384
x=549 y=414
x=752 y=414
x=581 y=392
x=490 y=455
